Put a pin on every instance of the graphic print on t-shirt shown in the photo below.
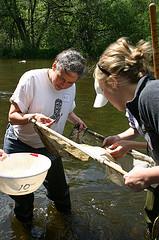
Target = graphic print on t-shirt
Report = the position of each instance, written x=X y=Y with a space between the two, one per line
x=57 y=109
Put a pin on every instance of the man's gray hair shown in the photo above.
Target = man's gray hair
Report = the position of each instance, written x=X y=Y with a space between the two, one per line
x=71 y=61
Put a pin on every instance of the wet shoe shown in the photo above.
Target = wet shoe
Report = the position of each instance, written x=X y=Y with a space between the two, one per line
x=34 y=231
x=37 y=232
x=27 y=226
x=67 y=212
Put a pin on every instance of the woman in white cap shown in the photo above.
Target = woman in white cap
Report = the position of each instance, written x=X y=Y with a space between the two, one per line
x=124 y=75
x=119 y=144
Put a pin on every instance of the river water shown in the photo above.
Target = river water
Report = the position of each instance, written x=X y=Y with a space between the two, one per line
x=101 y=209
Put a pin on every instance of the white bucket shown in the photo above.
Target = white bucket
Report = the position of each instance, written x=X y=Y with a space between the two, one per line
x=23 y=173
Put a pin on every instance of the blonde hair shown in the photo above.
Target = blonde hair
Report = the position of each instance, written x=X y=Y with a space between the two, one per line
x=121 y=58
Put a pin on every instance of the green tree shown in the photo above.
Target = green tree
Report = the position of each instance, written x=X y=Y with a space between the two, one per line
x=87 y=25
x=25 y=20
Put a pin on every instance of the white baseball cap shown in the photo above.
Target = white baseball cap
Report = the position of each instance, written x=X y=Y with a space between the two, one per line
x=100 y=99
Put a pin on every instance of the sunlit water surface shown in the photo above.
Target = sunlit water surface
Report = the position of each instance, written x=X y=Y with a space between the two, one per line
x=101 y=209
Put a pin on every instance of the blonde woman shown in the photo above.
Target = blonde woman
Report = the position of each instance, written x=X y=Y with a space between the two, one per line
x=124 y=76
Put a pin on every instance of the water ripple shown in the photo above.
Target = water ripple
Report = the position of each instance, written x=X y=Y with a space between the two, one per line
x=5 y=95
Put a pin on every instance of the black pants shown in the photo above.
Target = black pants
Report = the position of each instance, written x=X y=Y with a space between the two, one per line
x=152 y=207
x=55 y=181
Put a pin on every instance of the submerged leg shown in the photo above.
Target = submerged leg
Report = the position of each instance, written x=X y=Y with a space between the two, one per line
x=58 y=189
x=152 y=208
x=24 y=207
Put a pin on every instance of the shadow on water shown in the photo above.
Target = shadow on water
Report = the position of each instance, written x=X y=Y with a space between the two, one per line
x=101 y=209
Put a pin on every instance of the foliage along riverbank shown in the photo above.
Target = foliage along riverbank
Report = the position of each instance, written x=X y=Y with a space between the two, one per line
x=41 y=29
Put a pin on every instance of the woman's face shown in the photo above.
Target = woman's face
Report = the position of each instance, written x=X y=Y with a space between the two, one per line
x=62 y=80
x=114 y=94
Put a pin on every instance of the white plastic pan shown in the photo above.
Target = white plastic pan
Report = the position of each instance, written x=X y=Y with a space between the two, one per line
x=23 y=173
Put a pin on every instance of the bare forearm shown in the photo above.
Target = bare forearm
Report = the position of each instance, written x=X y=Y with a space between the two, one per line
x=22 y=119
x=72 y=117
x=16 y=117
x=130 y=133
x=137 y=145
x=153 y=175
x=19 y=118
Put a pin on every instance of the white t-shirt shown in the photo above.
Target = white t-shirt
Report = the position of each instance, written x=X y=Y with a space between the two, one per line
x=36 y=94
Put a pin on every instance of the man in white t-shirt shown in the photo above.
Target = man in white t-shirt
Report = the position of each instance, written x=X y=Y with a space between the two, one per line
x=48 y=95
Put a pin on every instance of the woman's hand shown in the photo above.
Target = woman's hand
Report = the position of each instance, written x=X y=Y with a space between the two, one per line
x=3 y=155
x=140 y=178
x=81 y=124
x=43 y=119
x=72 y=117
x=120 y=148
x=110 y=140
x=137 y=179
